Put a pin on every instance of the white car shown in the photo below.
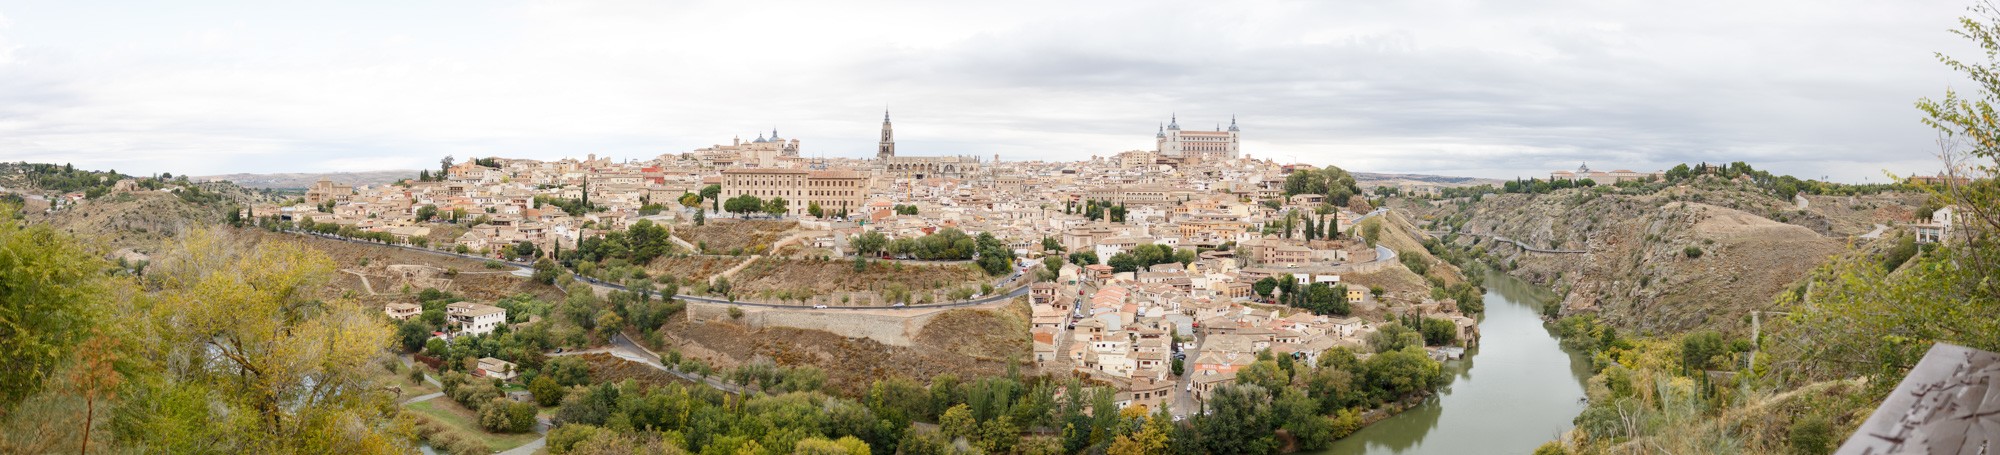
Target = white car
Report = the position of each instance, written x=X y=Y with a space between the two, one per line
x=898 y=304
x=819 y=306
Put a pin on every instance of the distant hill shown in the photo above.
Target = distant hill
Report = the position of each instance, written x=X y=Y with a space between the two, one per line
x=306 y=179
x=1371 y=179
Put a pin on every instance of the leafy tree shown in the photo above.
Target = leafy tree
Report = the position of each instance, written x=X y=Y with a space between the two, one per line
x=1083 y=258
x=743 y=204
x=777 y=206
x=1402 y=372
x=1239 y=421
x=869 y=242
x=501 y=415
x=1264 y=286
x=546 y=391
x=545 y=271
x=284 y=364
x=413 y=334
x=812 y=208
x=50 y=294
x=711 y=192
x=1394 y=337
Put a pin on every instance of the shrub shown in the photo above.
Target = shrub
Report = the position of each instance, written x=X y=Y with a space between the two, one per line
x=501 y=415
x=1692 y=252
x=1811 y=435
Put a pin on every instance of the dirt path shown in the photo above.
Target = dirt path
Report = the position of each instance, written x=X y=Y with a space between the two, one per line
x=732 y=270
x=364 y=282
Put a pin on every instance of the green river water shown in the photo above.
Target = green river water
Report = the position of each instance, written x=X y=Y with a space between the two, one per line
x=1515 y=391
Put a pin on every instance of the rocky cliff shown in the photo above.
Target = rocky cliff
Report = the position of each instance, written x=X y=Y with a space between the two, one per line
x=1662 y=261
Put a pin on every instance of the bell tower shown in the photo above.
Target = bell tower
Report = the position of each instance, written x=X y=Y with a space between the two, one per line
x=887 y=148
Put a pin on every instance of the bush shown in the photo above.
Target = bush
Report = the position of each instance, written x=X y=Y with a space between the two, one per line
x=1692 y=252
x=501 y=415
x=1812 y=435
x=735 y=312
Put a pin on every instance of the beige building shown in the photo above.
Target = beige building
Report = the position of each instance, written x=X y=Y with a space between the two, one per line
x=761 y=152
x=833 y=190
x=326 y=190
x=1172 y=142
x=1604 y=178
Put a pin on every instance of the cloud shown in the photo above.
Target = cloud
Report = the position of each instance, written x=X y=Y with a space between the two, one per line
x=1466 y=87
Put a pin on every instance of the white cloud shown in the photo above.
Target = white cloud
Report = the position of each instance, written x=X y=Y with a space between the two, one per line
x=1465 y=87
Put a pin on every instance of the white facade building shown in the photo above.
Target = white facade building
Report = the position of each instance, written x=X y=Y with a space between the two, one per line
x=474 y=318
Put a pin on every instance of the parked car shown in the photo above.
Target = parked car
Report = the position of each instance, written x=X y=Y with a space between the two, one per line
x=819 y=306
x=898 y=304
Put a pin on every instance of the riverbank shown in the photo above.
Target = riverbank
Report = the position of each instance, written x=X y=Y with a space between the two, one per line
x=1526 y=392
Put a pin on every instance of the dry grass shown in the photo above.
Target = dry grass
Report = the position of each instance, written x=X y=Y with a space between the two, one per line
x=692 y=268
x=822 y=277
x=852 y=364
x=727 y=236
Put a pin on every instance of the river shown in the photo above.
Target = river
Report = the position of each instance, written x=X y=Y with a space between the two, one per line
x=1524 y=390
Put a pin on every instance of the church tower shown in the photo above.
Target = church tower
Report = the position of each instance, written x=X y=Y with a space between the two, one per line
x=887 y=149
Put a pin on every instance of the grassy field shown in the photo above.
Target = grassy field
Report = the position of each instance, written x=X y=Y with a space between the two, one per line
x=462 y=419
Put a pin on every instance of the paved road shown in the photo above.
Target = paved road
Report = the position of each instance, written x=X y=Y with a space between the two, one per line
x=1021 y=290
x=624 y=348
x=422 y=398
x=1875 y=234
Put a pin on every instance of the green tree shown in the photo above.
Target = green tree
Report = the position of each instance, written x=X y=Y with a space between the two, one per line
x=427 y=212
x=777 y=206
x=812 y=208
x=546 y=391
x=1239 y=420
x=50 y=294
x=711 y=192
x=546 y=271
x=869 y=243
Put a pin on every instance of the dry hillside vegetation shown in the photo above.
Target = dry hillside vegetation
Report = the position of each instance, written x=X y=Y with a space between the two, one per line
x=820 y=277
x=389 y=268
x=852 y=364
x=133 y=220
x=726 y=236
x=606 y=368
x=1655 y=263
x=693 y=268
x=995 y=335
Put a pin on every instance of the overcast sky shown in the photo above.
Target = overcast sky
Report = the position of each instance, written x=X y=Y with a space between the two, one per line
x=1488 y=89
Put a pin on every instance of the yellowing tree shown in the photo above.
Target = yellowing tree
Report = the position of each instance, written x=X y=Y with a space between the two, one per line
x=242 y=322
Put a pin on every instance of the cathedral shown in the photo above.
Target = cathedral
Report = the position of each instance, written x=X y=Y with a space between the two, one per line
x=919 y=167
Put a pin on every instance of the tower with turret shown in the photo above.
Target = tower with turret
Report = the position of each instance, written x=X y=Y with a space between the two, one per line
x=1173 y=142
x=887 y=148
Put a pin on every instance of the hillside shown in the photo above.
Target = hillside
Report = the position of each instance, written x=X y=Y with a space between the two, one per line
x=138 y=220
x=1371 y=179
x=296 y=180
x=1672 y=260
